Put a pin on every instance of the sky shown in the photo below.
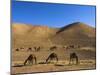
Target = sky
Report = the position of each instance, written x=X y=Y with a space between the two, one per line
x=52 y=14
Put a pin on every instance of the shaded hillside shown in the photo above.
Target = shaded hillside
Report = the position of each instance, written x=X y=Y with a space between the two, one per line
x=75 y=33
x=80 y=27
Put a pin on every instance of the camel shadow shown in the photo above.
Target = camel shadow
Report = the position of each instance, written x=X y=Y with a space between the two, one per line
x=42 y=63
x=18 y=65
x=59 y=65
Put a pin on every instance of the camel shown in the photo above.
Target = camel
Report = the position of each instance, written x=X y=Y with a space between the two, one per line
x=53 y=47
x=78 y=46
x=71 y=46
x=37 y=48
x=30 y=60
x=21 y=48
x=17 y=49
x=29 y=49
x=73 y=58
x=51 y=57
x=65 y=47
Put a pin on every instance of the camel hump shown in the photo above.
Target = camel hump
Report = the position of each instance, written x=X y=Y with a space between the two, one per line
x=73 y=53
x=53 y=54
x=32 y=55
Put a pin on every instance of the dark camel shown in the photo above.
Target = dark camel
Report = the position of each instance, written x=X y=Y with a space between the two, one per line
x=29 y=49
x=17 y=49
x=73 y=59
x=51 y=57
x=52 y=48
x=30 y=60
x=37 y=48
x=71 y=46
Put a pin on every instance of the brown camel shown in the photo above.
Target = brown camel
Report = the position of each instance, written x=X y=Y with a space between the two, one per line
x=37 y=48
x=29 y=49
x=30 y=59
x=17 y=49
x=73 y=58
x=51 y=57
x=53 y=48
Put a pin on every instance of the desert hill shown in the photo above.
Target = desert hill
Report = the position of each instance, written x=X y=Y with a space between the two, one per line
x=75 y=33
x=23 y=34
x=18 y=28
x=79 y=27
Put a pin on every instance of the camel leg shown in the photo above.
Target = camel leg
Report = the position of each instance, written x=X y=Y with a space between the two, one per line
x=70 y=60
x=31 y=62
x=47 y=60
x=77 y=60
x=56 y=59
x=35 y=60
x=50 y=60
x=25 y=62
